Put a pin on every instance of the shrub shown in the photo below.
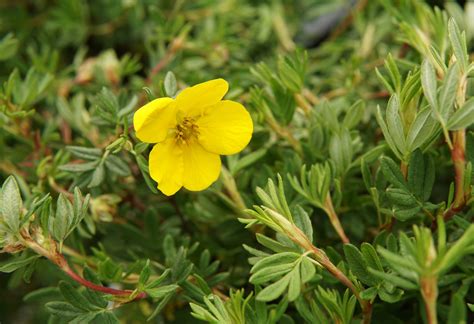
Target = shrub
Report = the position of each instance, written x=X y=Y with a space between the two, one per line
x=351 y=202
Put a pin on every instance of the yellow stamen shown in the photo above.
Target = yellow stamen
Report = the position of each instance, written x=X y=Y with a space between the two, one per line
x=186 y=131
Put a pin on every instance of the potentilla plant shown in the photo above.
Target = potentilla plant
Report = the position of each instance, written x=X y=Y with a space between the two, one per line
x=282 y=185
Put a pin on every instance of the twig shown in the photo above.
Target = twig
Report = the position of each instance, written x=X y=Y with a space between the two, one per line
x=348 y=20
x=459 y=161
x=175 y=46
x=336 y=223
x=429 y=292
x=58 y=259
x=297 y=236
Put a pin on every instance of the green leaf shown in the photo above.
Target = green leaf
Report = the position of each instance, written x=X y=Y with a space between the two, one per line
x=160 y=306
x=394 y=280
x=8 y=47
x=145 y=274
x=401 y=263
x=63 y=309
x=370 y=256
x=155 y=283
x=79 y=167
x=107 y=318
x=395 y=123
x=392 y=69
x=42 y=294
x=392 y=173
x=86 y=153
x=83 y=318
x=387 y=135
x=369 y=293
x=307 y=269
x=421 y=176
x=448 y=91
x=97 y=176
x=117 y=166
x=170 y=84
x=11 y=204
x=80 y=206
x=401 y=197
x=458 y=42
x=303 y=222
x=457 y=250
x=74 y=297
x=17 y=263
x=390 y=296
x=60 y=225
x=358 y=265
x=276 y=259
x=421 y=130
x=162 y=291
x=404 y=213
x=294 y=286
x=340 y=150
x=109 y=270
x=274 y=290
x=247 y=160
x=92 y=296
x=270 y=273
x=463 y=117
x=354 y=114
x=428 y=81
x=273 y=245
x=457 y=310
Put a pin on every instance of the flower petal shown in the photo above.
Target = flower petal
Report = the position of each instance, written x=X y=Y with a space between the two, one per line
x=153 y=120
x=226 y=128
x=166 y=166
x=201 y=168
x=191 y=100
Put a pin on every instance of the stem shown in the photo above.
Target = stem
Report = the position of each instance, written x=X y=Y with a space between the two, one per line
x=429 y=291
x=339 y=275
x=336 y=224
x=106 y=290
x=458 y=149
x=459 y=161
x=303 y=103
x=297 y=236
x=231 y=188
x=281 y=30
x=348 y=19
x=174 y=47
x=404 y=169
x=54 y=256
x=284 y=133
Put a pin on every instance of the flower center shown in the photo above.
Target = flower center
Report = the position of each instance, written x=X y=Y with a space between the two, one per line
x=186 y=131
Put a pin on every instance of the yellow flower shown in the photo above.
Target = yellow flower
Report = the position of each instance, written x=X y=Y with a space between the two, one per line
x=192 y=131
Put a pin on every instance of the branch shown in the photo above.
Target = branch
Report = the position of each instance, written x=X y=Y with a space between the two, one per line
x=297 y=236
x=175 y=46
x=334 y=219
x=58 y=259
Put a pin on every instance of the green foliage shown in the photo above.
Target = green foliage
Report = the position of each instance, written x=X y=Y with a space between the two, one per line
x=351 y=204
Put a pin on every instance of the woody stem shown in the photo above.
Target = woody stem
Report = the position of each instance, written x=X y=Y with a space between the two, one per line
x=57 y=258
x=334 y=219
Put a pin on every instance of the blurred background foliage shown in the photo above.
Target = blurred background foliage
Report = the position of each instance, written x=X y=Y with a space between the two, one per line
x=73 y=72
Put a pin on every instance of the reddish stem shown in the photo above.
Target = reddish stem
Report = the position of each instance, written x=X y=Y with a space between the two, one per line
x=59 y=259
x=459 y=162
x=174 y=47
x=63 y=264
x=105 y=290
x=334 y=219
